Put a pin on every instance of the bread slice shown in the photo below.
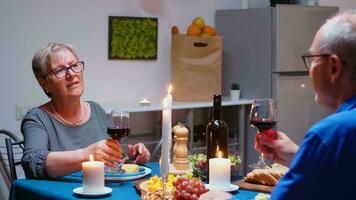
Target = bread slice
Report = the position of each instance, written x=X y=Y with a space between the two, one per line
x=268 y=176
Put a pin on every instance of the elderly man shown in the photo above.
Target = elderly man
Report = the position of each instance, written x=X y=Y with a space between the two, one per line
x=324 y=166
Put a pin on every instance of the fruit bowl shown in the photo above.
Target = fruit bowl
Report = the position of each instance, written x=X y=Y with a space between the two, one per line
x=198 y=162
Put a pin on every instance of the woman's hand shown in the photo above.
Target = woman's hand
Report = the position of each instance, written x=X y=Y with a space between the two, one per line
x=283 y=148
x=108 y=151
x=139 y=153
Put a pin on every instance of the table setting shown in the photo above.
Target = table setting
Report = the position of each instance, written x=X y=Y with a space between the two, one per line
x=177 y=175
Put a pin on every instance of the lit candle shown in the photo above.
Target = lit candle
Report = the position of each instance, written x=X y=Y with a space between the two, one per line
x=93 y=176
x=219 y=173
x=145 y=102
x=166 y=132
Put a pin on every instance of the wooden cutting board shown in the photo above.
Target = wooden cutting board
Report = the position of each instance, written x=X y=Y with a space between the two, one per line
x=253 y=186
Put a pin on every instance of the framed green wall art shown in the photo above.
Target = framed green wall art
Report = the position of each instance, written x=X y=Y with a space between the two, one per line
x=133 y=37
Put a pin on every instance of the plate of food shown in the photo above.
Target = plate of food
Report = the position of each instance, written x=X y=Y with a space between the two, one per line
x=263 y=180
x=198 y=162
x=126 y=172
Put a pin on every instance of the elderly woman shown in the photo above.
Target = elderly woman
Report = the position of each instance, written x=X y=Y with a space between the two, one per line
x=62 y=133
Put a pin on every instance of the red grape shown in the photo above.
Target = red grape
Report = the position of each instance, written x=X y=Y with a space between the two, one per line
x=188 y=189
x=196 y=191
x=194 y=197
x=186 y=195
x=175 y=183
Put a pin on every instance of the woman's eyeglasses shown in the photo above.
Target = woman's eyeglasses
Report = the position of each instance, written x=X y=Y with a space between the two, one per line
x=61 y=72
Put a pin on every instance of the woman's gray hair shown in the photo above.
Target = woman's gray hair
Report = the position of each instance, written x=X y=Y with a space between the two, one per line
x=338 y=36
x=41 y=62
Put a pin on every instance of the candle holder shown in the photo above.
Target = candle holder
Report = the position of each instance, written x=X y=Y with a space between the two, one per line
x=93 y=179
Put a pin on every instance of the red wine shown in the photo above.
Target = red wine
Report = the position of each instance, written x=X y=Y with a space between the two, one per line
x=118 y=133
x=262 y=124
x=216 y=134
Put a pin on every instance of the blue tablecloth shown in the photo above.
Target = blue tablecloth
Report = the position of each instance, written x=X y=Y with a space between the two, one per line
x=63 y=188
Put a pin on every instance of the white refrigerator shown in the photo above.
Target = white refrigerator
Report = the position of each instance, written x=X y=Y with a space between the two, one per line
x=262 y=51
x=292 y=88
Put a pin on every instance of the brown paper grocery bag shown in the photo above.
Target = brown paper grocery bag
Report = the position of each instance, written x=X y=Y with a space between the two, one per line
x=196 y=67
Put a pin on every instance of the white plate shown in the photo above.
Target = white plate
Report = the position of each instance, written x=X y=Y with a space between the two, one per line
x=231 y=188
x=129 y=177
x=80 y=191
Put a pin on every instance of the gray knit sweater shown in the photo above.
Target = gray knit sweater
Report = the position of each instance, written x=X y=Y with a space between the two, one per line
x=44 y=133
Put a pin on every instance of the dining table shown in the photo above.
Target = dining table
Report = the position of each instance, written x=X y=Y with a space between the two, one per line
x=62 y=188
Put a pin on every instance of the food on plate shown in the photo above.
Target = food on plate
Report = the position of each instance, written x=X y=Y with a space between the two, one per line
x=157 y=195
x=262 y=196
x=198 y=162
x=155 y=183
x=130 y=168
x=188 y=189
x=180 y=187
x=268 y=176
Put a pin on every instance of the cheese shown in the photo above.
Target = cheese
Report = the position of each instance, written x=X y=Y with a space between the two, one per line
x=130 y=168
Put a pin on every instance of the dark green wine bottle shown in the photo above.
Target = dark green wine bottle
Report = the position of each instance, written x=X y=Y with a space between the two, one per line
x=216 y=134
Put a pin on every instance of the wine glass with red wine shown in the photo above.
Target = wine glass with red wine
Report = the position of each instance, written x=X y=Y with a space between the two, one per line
x=119 y=124
x=263 y=117
x=118 y=128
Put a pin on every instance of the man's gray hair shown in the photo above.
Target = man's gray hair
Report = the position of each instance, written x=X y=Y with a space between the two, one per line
x=338 y=36
x=41 y=62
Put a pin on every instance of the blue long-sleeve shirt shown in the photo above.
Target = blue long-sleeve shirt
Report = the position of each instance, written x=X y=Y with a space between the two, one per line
x=325 y=165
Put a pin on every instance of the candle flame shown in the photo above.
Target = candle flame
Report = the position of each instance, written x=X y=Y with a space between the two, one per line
x=220 y=154
x=170 y=89
x=91 y=158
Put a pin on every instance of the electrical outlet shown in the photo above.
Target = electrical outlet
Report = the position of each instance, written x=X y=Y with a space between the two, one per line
x=21 y=112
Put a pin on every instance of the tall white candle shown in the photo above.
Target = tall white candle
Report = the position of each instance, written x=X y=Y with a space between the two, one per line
x=93 y=176
x=166 y=132
x=219 y=173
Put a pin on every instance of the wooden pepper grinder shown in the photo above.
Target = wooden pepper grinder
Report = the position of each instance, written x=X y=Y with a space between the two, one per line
x=180 y=149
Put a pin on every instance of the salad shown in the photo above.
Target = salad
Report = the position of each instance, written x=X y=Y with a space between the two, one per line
x=198 y=162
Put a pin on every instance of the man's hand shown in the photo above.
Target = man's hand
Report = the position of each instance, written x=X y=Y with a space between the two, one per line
x=282 y=149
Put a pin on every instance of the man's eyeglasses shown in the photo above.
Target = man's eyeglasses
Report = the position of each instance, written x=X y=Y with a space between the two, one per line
x=308 y=59
x=61 y=72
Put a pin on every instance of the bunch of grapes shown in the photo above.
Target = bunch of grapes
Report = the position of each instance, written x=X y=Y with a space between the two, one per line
x=188 y=189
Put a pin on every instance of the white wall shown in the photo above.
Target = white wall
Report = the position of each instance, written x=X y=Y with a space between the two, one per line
x=25 y=26
x=29 y=25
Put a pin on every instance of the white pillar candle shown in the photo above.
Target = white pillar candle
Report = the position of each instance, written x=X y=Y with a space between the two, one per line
x=93 y=176
x=166 y=132
x=219 y=173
